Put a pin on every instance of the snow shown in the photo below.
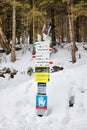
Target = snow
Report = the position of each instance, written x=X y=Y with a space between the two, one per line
x=18 y=95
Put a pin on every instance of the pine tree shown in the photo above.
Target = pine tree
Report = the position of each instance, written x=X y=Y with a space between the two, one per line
x=3 y=39
x=71 y=29
x=13 y=54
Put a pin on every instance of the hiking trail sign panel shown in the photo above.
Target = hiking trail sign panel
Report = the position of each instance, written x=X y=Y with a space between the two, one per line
x=42 y=74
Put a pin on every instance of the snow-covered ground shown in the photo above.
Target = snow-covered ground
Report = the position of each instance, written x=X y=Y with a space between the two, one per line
x=18 y=94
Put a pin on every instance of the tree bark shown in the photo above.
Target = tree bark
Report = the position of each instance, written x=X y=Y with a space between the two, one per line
x=13 y=55
x=78 y=39
x=33 y=52
x=3 y=39
x=53 y=27
x=72 y=33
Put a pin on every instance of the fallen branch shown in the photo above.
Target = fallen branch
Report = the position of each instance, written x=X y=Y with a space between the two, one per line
x=56 y=68
x=8 y=71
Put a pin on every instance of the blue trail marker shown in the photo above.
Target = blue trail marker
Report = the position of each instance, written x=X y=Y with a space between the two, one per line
x=41 y=105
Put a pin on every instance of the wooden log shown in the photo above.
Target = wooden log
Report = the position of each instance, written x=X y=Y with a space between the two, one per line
x=2 y=75
x=56 y=68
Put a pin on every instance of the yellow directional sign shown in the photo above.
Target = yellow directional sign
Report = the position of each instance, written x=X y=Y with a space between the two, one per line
x=42 y=77
x=42 y=74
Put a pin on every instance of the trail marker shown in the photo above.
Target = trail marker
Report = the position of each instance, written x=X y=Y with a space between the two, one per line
x=41 y=105
x=33 y=56
x=42 y=75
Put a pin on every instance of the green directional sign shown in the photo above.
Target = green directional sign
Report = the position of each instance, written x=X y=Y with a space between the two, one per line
x=34 y=44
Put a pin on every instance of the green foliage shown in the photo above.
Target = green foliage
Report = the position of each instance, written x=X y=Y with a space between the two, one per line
x=40 y=11
x=66 y=1
x=37 y=15
x=46 y=2
x=4 y=6
x=80 y=9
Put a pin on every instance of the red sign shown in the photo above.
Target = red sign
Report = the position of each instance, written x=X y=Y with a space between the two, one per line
x=41 y=107
x=51 y=49
x=33 y=56
x=51 y=62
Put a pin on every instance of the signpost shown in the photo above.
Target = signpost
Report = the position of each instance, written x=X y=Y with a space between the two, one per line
x=42 y=75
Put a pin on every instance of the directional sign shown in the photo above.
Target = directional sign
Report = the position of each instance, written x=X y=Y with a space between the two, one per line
x=42 y=69
x=41 y=44
x=51 y=62
x=42 y=63
x=42 y=55
x=33 y=56
x=42 y=74
x=51 y=49
x=42 y=77
x=42 y=47
x=42 y=59
x=34 y=44
x=42 y=50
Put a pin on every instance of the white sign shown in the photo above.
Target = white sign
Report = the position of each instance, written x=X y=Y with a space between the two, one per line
x=42 y=53
x=41 y=90
x=42 y=63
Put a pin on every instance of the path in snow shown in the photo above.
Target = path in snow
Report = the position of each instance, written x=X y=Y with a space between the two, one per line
x=75 y=118
x=17 y=106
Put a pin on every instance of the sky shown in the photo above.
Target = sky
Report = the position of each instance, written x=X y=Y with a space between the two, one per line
x=18 y=94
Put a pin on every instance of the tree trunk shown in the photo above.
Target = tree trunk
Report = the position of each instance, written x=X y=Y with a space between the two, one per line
x=77 y=30
x=13 y=55
x=23 y=31
x=53 y=27
x=62 y=28
x=3 y=40
x=72 y=33
x=31 y=26
x=33 y=52
x=31 y=34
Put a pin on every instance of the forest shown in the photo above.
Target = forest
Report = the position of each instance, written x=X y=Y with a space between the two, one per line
x=43 y=64
x=65 y=21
